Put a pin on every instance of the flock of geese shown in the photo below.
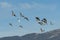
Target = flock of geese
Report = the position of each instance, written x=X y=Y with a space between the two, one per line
x=38 y=20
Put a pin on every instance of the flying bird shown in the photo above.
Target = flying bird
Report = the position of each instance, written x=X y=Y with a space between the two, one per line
x=37 y=18
x=13 y=14
x=44 y=20
x=21 y=26
x=24 y=17
x=41 y=23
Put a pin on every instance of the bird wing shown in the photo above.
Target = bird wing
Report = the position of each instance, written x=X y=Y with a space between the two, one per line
x=26 y=18
x=21 y=14
x=37 y=19
x=44 y=20
x=40 y=23
x=21 y=26
x=13 y=13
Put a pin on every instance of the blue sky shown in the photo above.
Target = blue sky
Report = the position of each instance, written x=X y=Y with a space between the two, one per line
x=49 y=9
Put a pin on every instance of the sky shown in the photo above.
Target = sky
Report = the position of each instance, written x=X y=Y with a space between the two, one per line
x=49 y=9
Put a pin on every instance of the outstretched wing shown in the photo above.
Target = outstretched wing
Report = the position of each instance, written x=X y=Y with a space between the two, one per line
x=26 y=18
x=37 y=19
x=21 y=14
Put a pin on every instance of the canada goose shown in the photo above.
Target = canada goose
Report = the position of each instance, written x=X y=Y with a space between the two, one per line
x=39 y=21
x=24 y=17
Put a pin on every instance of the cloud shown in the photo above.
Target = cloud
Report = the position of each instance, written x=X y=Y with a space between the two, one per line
x=32 y=5
x=25 y=5
x=37 y=6
x=5 y=5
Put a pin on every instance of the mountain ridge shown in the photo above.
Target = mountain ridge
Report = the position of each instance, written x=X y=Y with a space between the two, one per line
x=51 y=35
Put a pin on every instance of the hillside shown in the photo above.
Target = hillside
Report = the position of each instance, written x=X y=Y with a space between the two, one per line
x=52 y=35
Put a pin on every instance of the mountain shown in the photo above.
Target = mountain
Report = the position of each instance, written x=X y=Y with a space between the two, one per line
x=11 y=38
x=52 y=35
